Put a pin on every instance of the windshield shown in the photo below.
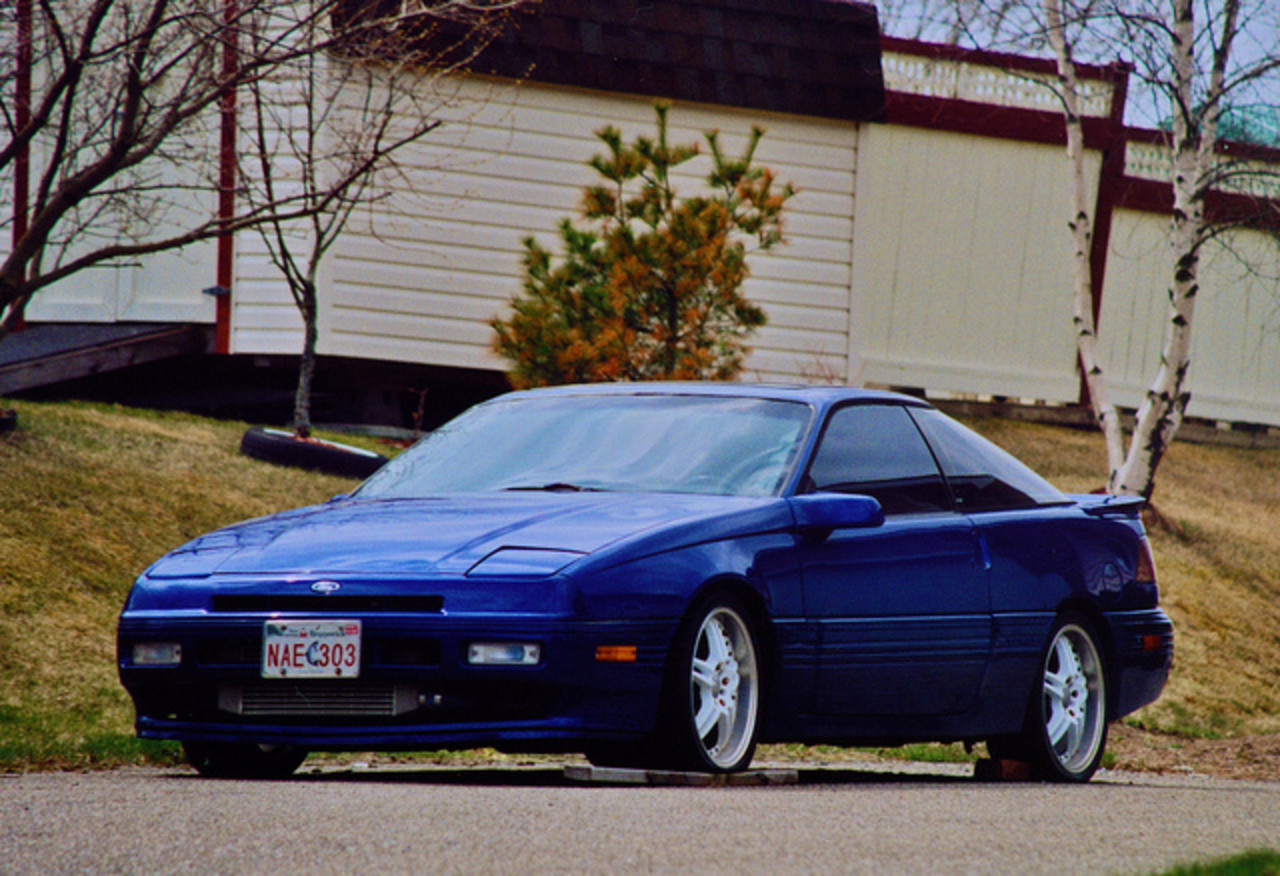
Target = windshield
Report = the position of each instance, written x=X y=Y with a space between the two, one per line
x=650 y=443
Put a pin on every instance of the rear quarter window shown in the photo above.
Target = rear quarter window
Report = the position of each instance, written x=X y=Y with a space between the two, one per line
x=982 y=476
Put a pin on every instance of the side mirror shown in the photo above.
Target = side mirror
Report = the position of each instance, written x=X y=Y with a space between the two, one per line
x=818 y=514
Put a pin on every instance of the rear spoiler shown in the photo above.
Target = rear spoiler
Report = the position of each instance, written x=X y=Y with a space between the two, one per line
x=1111 y=506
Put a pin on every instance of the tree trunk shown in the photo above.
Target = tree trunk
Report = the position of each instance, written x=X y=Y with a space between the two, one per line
x=307 y=364
x=1195 y=137
x=1081 y=226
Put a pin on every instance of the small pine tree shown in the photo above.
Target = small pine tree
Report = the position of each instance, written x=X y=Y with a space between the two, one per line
x=648 y=287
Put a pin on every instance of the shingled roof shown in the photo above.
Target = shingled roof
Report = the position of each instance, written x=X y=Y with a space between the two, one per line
x=808 y=57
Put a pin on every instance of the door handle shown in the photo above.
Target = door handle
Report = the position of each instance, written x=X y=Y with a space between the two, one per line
x=981 y=552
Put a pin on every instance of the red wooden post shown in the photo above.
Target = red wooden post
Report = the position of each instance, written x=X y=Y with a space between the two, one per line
x=22 y=117
x=227 y=180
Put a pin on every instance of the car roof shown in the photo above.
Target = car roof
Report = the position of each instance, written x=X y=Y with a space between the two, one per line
x=821 y=396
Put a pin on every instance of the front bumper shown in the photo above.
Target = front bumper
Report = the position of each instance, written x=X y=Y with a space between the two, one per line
x=415 y=690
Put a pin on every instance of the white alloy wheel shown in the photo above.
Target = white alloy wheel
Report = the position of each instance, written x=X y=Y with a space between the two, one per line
x=724 y=688
x=1073 y=712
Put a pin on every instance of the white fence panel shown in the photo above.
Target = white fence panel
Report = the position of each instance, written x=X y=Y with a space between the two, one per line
x=1235 y=365
x=962 y=264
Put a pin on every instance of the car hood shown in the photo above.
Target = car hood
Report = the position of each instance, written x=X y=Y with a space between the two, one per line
x=539 y=531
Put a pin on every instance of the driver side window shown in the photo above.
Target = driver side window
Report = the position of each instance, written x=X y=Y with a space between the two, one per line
x=876 y=450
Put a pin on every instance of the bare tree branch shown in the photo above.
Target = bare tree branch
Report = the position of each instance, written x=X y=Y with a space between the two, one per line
x=362 y=104
x=126 y=93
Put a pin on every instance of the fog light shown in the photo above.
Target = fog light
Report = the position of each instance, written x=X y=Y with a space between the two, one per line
x=157 y=654
x=503 y=654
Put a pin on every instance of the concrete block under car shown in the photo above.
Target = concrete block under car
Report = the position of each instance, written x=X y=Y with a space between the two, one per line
x=671 y=778
x=1002 y=770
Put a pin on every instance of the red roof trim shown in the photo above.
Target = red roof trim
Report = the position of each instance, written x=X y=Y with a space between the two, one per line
x=1238 y=151
x=985 y=120
x=1225 y=208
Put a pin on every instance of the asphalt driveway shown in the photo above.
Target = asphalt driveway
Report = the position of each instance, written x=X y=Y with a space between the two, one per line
x=865 y=818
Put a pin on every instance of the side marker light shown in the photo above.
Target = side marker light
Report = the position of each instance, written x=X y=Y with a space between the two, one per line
x=615 y=653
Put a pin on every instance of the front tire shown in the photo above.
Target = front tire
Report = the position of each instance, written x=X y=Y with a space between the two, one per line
x=223 y=760
x=1066 y=729
x=715 y=692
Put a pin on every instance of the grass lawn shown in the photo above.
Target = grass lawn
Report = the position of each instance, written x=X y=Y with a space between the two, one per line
x=91 y=494
x=1256 y=863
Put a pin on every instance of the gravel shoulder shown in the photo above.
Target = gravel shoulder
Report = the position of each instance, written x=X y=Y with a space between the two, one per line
x=1255 y=758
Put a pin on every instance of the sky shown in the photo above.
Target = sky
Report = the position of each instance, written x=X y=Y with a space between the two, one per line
x=1003 y=25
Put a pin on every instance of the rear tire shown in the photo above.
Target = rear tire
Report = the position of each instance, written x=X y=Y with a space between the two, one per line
x=715 y=688
x=1065 y=733
x=225 y=760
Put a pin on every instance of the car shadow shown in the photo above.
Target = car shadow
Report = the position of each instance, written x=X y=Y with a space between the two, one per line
x=556 y=777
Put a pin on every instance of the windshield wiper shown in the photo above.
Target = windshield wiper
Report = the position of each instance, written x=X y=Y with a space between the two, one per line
x=556 y=487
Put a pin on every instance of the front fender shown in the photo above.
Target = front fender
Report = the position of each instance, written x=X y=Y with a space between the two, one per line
x=661 y=586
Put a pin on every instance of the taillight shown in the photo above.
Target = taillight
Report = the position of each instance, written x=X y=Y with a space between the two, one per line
x=1146 y=572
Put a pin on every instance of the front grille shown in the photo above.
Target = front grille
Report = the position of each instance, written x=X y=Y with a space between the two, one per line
x=230 y=651
x=318 y=699
x=318 y=603
x=404 y=652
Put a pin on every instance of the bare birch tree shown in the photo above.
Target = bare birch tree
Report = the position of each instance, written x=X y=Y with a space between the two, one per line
x=1185 y=56
x=324 y=131
x=1196 y=77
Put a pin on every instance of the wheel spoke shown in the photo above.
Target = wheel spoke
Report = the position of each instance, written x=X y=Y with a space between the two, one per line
x=726 y=713
x=1055 y=687
x=717 y=642
x=704 y=676
x=1074 y=736
x=708 y=716
x=1056 y=724
x=1068 y=660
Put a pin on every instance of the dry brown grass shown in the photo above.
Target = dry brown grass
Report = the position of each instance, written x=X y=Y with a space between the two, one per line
x=89 y=496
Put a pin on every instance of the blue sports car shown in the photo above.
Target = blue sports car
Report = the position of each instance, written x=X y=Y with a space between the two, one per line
x=661 y=575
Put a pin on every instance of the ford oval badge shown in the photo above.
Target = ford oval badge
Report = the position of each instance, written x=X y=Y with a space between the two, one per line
x=326 y=586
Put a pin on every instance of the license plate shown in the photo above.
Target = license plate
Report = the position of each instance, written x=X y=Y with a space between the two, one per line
x=311 y=649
